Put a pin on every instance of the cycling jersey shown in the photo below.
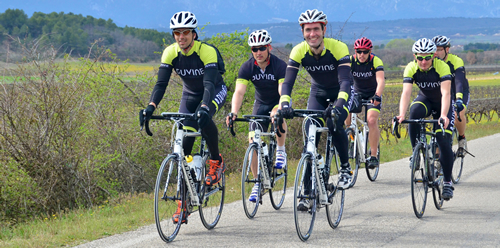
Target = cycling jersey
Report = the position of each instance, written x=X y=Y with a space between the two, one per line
x=324 y=70
x=428 y=81
x=459 y=84
x=198 y=70
x=266 y=82
x=329 y=82
x=364 y=74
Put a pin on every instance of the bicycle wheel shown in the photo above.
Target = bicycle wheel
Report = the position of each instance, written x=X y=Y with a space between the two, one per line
x=336 y=196
x=278 y=183
x=248 y=181
x=419 y=184
x=304 y=219
x=212 y=200
x=354 y=155
x=167 y=197
x=437 y=185
x=458 y=159
x=372 y=173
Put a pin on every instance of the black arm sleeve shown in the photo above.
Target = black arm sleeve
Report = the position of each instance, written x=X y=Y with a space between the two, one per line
x=460 y=80
x=209 y=83
x=290 y=76
x=345 y=81
x=161 y=85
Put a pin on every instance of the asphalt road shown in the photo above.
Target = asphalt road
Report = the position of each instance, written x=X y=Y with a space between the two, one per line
x=375 y=214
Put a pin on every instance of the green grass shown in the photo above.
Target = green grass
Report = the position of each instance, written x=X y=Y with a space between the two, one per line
x=131 y=212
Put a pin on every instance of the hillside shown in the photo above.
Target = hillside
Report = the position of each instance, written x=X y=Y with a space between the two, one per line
x=461 y=30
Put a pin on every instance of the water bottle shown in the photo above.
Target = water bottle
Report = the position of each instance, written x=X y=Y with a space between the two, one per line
x=197 y=165
x=189 y=160
x=264 y=148
x=321 y=163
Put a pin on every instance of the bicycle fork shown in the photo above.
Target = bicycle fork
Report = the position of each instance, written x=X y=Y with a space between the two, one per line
x=266 y=181
x=315 y=175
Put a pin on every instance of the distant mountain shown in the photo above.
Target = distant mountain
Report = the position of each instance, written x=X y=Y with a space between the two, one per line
x=461 y=30
x=156 y=14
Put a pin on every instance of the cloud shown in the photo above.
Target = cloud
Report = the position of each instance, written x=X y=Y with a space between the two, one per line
x=277 y=19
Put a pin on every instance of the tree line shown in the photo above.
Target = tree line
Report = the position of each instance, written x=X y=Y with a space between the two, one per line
x=74 y=33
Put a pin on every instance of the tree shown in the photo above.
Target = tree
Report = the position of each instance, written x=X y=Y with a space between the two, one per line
x=400 y=44
x=13 y=18
x=471 y=58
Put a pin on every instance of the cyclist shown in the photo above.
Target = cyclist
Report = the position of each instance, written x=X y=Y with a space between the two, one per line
x=327 y=61
x=433 y=77
x=204 y=91
x=459 y=85
x=266 y=72
x=369 y=83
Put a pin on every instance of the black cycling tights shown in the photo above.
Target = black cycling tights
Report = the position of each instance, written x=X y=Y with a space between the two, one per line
x=417 y=111
x=211 y=135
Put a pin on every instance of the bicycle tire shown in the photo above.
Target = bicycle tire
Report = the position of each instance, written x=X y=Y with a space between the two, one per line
x=458 y=161
x=372 y=173
x=167 y=197
x=419 y=184
x=334 y=210
x=212 y=200
x=247 y=183
x=437 y=187
x=304 y=220
x=277 y=193
x=354 y=155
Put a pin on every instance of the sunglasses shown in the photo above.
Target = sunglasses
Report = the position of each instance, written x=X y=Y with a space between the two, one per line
x=362 y=52
x=184 y=32
x=427 y=58
x=256 y=49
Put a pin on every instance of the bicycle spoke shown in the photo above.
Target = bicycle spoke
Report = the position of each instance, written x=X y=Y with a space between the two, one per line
x=419 y=184
x=167 y=197
x=248 y=181
x=336 y=196
x=304 y=214
x=212 y=200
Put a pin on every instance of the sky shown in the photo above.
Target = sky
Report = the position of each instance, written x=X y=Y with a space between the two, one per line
x=157 y=13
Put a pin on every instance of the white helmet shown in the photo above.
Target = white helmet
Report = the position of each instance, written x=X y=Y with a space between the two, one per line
x=424 y=45
x=441 y=41
x=312 y=16
x=183 y=19
x=259 y=38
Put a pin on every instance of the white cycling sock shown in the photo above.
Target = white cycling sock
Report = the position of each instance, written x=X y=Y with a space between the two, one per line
x=280 y=148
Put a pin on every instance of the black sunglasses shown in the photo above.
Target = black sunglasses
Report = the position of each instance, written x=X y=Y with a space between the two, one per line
x=262 y=49
x=427 y=58
x=362 y=52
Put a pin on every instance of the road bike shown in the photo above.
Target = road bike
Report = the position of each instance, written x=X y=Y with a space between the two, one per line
x=426 y=171
x=359 y=146
x=180 y=185
x=268 y=178
x=316 y=189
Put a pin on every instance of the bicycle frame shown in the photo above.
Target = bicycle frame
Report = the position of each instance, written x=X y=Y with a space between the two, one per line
x=261 y=160
x=178 y=152
x=263 y=164
x=361 y=139
x=311 y=149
